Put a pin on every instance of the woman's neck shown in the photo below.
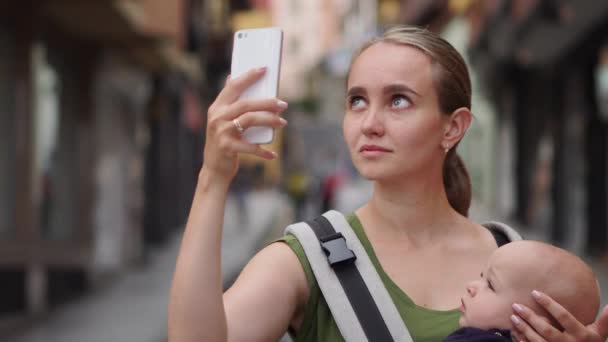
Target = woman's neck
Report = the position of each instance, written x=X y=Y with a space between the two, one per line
x=418 y=210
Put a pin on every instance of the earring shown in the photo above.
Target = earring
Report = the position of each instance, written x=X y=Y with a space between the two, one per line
x=446 y=149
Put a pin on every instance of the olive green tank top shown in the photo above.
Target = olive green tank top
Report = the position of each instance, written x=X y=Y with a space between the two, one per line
x=425 y=325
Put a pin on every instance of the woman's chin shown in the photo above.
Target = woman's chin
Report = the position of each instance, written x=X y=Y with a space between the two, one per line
x=370 y=173
x=377 y=174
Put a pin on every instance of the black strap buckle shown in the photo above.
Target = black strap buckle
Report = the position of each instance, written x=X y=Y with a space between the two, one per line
x=337 y=252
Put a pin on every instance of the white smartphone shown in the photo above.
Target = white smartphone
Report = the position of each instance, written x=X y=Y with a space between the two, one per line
x=254 y=48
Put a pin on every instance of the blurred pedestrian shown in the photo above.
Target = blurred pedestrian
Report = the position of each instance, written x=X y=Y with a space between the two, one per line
x=298 y=189
x=329 y=187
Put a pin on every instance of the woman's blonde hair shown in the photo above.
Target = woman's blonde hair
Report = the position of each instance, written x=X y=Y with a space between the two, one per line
x=453 y=86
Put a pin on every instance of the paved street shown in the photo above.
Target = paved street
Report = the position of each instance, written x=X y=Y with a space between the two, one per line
x=134 y=307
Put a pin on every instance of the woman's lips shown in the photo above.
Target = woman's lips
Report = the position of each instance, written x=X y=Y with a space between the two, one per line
x=373 y=150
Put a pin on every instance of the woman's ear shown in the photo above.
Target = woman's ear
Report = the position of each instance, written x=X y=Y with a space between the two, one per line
x=456 y=126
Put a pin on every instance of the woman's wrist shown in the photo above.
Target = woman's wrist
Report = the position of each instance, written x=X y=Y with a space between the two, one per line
x=211 y=182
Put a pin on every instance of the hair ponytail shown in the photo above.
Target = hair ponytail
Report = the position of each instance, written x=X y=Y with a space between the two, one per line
x=457 y=183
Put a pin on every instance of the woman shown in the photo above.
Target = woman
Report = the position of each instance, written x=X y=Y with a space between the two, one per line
x=407 y=107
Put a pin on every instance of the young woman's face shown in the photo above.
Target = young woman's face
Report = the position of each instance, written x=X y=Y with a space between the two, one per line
x=393 y=126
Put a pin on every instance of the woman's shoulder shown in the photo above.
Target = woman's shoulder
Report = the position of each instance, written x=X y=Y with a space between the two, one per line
x=292 y=246
x=283 y=257
x=277 y=261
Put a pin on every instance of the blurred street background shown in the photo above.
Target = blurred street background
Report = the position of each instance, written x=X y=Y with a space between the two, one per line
x=102 y=118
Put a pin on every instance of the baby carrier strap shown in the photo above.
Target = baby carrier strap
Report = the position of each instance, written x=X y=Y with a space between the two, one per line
x=503 y=234
x=359 y=303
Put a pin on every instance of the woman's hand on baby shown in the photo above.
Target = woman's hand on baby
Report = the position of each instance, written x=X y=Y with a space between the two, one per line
x=228 y=116
x=527 y=326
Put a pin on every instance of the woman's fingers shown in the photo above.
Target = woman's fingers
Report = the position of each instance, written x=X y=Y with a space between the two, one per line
x=229 y=140
x=235 y=86
x=524 y=329
x=256 y=150
x=251 y=119
x=561 y=315
x=225 y=122
x=239 y=107
x=600 y=326
x=532 y=326
x=231 y=145
x=517 y=336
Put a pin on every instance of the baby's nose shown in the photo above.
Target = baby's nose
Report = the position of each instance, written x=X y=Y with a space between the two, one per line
x=471 y=290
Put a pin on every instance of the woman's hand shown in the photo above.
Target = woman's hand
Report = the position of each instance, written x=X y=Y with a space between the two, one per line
x=527 y=326
x=225 y=118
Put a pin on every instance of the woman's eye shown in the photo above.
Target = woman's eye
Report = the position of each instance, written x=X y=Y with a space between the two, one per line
x=400 y=101
x=356 y=102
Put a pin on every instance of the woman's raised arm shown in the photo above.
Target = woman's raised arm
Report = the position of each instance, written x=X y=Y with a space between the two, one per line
x=197 y=310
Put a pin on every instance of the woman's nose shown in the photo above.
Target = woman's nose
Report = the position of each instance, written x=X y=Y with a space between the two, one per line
x=372 y=124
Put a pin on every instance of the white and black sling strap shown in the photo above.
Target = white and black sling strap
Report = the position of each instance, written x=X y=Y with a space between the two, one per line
x=359 y=303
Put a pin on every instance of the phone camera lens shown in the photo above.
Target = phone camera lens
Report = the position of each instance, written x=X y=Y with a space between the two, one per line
x=240 y=35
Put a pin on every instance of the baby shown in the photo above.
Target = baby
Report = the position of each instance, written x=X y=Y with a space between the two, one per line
x=513 y=272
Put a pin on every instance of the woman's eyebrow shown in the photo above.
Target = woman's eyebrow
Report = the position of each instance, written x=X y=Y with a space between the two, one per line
x=355 y=91
x=399 y=88
x=391 y=88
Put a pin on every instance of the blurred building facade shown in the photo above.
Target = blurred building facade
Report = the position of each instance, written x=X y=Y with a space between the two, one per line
x=539 y=67
x=540 y=62
x=101 y=132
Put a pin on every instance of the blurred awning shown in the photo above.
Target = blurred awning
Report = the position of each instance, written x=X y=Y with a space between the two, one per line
x=104 y=20
x=122 y=23
x=549 y=32
x=165 y=55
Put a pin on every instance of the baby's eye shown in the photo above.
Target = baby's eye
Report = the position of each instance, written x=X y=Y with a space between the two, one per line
x=490 y=286
x=400 y=102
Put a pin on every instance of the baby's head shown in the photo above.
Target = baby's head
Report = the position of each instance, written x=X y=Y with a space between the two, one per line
x=518 y=268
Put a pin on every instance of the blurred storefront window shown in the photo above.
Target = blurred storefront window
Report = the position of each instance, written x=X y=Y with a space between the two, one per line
x=602 y=83
x=7 y=136
x=55 y=171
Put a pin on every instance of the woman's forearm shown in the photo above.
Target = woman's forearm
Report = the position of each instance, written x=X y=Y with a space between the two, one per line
x=196 y=309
